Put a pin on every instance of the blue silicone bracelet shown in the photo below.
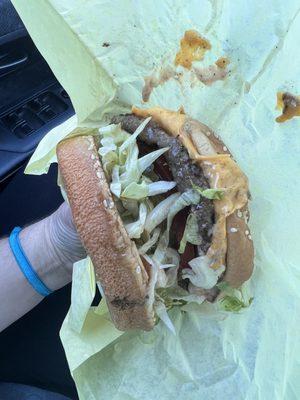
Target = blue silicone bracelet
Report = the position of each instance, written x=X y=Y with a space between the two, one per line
x=25 y=265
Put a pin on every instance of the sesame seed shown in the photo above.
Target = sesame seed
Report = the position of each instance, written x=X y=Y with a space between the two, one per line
x=233 y=230
x=138 y=269
x=110 y=204
x=93 y=156
x=225 y=148
x=239 y=214
x=249 y=237
x=247 y=232
x=105 y=203
x=98 y=174
x=91 y=143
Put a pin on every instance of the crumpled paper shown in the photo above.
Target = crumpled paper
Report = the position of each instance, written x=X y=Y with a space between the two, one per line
x=252 y=355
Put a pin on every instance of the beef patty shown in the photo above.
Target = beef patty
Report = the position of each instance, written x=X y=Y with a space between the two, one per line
x=185 y=172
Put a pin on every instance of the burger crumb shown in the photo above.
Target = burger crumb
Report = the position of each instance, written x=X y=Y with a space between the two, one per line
x=93 y=157
x=239 y=214
x=249 y=237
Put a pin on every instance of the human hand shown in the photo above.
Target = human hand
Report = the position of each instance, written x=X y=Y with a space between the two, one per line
x=64 y=239
x=51 y=247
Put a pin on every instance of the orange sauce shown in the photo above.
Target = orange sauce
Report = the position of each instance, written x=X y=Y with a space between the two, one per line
x=192 y=48
x=222 y=62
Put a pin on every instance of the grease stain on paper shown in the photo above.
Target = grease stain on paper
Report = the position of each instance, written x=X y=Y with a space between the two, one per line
x=193 y=47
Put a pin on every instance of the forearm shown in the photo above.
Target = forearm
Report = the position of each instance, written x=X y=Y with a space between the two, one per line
x=51 y=255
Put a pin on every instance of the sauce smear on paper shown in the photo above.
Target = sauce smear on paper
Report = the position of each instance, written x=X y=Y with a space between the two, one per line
x=222 y=62
x=192 y=48
x=289 y=104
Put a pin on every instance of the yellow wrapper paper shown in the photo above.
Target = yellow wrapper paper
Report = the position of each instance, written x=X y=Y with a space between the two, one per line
x=101 y=51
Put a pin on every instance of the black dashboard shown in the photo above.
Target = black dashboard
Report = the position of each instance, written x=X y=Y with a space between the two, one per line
x=32 y=101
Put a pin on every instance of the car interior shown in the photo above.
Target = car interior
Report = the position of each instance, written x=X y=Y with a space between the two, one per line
x=32 y=102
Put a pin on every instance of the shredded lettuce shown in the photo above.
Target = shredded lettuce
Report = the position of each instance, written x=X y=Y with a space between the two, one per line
x=107 y=146
x=160 y=212
x=109 y=160
x=234 y=304
x=135 y=191
x=233 y=300
x=131 y=206
x=212 y=194
x=142 y=190
x=191 y=233
x=160 y=187
x=115 y=185
x=178 y=296
x=161 y=248
x=162 y=313
x=131 y=140
x=201 y=274
x=147 y=160
x=135 y=229
x=151 y=242
x=131 y=172
x=184 y=200
x=115 y=132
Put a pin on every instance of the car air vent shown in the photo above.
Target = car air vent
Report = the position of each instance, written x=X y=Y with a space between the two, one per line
x=11 y=61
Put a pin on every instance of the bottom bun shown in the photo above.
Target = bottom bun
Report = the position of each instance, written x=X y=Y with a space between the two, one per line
x=118 y=266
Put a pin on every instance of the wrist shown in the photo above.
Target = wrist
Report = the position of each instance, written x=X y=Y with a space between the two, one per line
x=38 y=248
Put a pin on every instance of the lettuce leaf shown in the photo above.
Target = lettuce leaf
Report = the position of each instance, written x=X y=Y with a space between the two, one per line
x=161 y=311
x=233 y=300
x=135 y=229
x=150 y=242
x=148 y=159
x=131 y=140
x=234 y=304
x=191 y=233
x=142 y=190
x=115 y=185
x=135 y=191
x=212 y=194
x=160 y=212
x=201 y=274
x=160 y=187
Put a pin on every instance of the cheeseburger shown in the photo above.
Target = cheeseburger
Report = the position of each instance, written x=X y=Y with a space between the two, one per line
x=161 y=208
